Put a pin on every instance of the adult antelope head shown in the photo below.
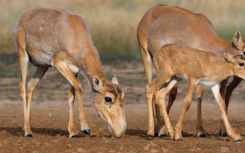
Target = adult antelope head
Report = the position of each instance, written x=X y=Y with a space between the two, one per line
x=109 y=104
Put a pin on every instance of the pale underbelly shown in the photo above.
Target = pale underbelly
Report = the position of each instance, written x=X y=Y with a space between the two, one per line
x=40 y=60
x=201 y=81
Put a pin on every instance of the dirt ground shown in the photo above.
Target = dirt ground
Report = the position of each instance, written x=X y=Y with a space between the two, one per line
x=50 y=113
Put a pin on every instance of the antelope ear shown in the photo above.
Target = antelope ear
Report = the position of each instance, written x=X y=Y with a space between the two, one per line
x=114 y=80
x=97 y=83
x=237 y=39
x=228 y=57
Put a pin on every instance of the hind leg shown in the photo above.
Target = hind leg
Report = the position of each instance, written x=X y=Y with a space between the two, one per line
x=23 y=61
x=30 y=88
x=172 y=96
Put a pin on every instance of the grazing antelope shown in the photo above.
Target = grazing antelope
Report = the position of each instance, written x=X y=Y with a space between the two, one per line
x=163 y=25
x=53 y=37
x=174 y=62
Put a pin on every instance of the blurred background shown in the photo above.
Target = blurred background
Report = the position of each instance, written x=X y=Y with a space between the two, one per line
x=113 y=23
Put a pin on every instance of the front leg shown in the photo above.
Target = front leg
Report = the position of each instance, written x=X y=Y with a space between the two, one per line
x=71 y=128
x=172 y=96
x=200 y=130
x=160 y=101
x=221 y=103
x=235 y=82
x=187 y=104
x=65 y=71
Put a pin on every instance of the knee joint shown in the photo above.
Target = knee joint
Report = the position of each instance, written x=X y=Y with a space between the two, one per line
x=78 y=88
x=30 y=88
x=159 y=98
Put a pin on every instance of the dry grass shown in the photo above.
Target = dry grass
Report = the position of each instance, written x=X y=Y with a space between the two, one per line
x=113 y=23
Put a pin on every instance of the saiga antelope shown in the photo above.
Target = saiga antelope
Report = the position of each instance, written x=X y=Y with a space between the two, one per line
x=163 y=25
x=174 y=62
x=53 y=37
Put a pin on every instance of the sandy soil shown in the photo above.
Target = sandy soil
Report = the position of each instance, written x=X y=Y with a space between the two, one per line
x=50 y=112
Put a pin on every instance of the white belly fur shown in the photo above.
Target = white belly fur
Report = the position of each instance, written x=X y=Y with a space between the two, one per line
x=42 y=60
x=74 y=69
x=203 y=81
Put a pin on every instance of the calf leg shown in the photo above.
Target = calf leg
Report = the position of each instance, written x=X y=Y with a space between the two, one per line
x=235 y=82
x=172 y=96
x=150 y=88
x=221 y=103
x=160 y=101
x=187 y=103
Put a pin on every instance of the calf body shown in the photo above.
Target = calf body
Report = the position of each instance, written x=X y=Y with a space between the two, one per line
x=174 y=62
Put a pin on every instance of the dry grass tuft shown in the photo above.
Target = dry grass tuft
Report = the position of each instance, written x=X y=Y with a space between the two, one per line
x=113 y=23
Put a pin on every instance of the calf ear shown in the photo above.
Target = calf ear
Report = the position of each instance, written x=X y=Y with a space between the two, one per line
x=237 y=39
x=229 y=57
x=97 y=83
x=114 y=80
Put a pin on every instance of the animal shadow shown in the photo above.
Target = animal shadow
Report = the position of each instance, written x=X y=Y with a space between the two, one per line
x=17 y=131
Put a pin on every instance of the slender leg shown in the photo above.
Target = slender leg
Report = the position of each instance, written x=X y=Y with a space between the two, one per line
x=235 y=82
x=222 y=92
x=200 y=130
x=71 y=128
x=221 y=103
x=172 y=96
x=160 y=101
x=157 y=117
x=150 y=88
x=64 y=70
x=147 y=62
x=30 y=88
x=188 y=101
x=23 y=61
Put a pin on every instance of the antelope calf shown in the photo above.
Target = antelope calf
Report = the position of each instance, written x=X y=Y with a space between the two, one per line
x=52 y=37
x=173 y=62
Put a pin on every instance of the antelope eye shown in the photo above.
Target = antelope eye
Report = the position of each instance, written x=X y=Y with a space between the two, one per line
x=108 y=99
x=244 y=53
x=241 y=64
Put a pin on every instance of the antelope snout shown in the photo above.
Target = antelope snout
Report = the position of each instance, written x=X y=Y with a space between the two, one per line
x=118 y=128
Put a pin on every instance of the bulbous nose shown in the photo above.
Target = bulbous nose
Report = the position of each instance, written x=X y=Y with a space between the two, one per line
x=118 y=129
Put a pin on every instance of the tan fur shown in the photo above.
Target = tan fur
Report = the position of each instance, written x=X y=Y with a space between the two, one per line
x=164 y=24
x=53 y=37
x=174 y=62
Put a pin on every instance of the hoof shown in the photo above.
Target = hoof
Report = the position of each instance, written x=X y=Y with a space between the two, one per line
x=180 y=139
x=74 y=136
x=223 y=134
x=163 y=135
x=28 y=135
x=87 y=131
x=150 y=135
x=203 y=135
x=239 y=140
